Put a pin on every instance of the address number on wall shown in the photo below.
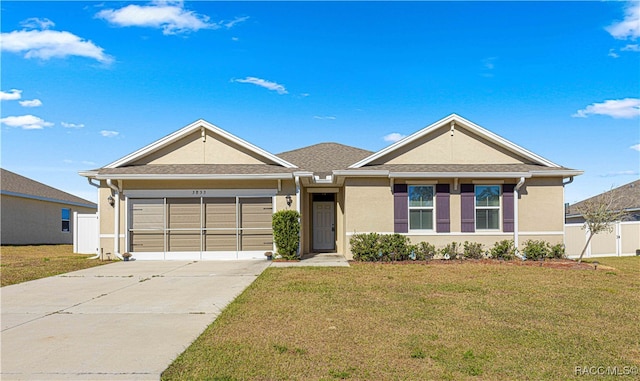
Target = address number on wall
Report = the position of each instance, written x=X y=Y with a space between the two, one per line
x=198 y=192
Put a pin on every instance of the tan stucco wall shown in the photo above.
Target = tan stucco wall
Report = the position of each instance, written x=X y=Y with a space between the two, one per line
x=28 y=221
x=191 y=149
x=541 y=206
x=368 y=205
x=440 y=147
x=630 y=233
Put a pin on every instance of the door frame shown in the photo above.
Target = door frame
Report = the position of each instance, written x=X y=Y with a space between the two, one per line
x=323 y=197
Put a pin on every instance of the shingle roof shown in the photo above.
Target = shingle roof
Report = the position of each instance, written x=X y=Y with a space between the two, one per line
x=197 y=169
x=323 y=158
x=15 y=185
x=626 y=196
x=462 y=168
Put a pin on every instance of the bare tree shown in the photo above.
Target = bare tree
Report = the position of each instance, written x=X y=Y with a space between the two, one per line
x=601 y=212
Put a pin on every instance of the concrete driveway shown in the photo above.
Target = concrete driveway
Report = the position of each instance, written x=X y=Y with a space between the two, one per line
x=123 y=321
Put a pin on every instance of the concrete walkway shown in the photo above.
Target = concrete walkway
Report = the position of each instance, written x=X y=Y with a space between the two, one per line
x=123 y=321
x=316 y=260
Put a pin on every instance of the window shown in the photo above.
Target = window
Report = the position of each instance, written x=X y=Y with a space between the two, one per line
x=487 y=207
x=66 y=224
x=421 y=207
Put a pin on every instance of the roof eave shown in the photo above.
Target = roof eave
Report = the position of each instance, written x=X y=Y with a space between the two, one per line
x=231 y=176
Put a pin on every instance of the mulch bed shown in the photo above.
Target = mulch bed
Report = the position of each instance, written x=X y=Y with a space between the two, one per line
x=566 y=264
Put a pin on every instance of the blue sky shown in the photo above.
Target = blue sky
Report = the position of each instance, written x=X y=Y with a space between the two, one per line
x=84 y=83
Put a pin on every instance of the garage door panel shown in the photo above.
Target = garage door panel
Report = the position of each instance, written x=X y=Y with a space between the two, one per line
x=147 y=214
x=256 y=212
x=183 y=241
x=220 y=213
x=183 y=213
x=147 y=242
x=256 y=240
x=220 y=241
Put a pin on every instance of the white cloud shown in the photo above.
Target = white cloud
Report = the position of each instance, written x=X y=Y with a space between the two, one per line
x=109 y=134
x=631 y=48
x=612 y=53
x=635 y=147
x=324 y=117
x=616 y=108
x=46 y=44
x=71 y=125
x=393 y=137
x=168 y=15
x=31 y=103
x=11 y=95
x=263 y=83
x=37 y=23
x=630 y=26
x=235 y=39
x=86 y=162
x=620 y=173
x=26 y=122
x=237 y=20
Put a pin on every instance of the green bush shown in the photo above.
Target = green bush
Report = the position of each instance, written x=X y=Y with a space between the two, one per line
x=504 y=249
x=473 y=250
x=557 y=251
x=365 y=247
x=424 y=251
x=394 y=247
x=451 y=251
x=286 y=233
x=535 y=250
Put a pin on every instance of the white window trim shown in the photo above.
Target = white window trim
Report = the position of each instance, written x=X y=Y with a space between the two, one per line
x=499 y=208
x=409 y=208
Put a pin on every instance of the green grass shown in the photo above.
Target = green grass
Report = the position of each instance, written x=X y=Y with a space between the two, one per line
x=409 y=322
x=23 y=263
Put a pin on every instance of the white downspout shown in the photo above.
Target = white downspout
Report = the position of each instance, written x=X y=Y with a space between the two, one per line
x=516 y=195
x=297 y=180
x=98 y=232
x=116 y=220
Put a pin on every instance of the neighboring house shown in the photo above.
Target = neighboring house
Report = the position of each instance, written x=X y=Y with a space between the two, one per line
x=203 y=193
x=625 y=197
x=623 y=237
x=35 y=213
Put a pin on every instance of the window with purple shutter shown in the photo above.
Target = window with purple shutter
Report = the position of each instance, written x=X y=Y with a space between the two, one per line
x=508 y=207
x=400 y=209
x=442 y=208
x=467 y=201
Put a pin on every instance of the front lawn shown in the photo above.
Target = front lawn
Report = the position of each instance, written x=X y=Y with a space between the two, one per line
x=418 y=322
x=23 y=263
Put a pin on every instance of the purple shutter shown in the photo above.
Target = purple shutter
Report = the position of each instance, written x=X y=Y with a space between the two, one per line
x=468 y=209
x=400 y=208
x=507 y=207
x=442 y=208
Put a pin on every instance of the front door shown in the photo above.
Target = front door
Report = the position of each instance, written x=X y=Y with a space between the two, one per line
x=324 y=232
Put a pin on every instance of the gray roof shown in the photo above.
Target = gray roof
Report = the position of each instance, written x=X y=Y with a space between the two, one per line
x=462 y=168
x=324 y=158
x=13 y=184
x=197 y=169
x=627 y=197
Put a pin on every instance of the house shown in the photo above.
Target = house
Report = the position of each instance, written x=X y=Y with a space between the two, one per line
x=625 y=197
x=203 y=193
x=35 y=213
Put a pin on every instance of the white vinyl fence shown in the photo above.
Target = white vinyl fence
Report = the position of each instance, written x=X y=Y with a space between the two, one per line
x=624 y=240
x=85 y=233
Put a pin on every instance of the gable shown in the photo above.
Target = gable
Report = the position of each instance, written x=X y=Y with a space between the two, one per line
x=196 y=149
x=492 y=147
x=446 y=146
x=200 y=143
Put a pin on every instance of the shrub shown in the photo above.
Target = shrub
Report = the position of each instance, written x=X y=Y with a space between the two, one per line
x=394 y=247
x=286 y=233
x=365 y=246
x=424 y=251
x=473 y=250
x=535 y=250
x=557 y=251
x=451 y=251
x=504 y=249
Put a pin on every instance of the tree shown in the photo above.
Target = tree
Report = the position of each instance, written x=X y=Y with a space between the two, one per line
x=600 y=213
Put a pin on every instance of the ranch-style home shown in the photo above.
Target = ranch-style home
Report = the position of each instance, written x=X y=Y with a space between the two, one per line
x=202 y=193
